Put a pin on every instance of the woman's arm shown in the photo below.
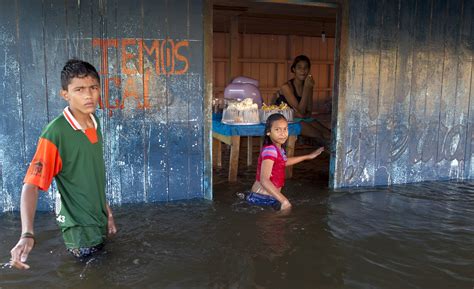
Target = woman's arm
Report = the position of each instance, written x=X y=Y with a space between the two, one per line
x=307 y=96
x=294 y=160
x=300 y=108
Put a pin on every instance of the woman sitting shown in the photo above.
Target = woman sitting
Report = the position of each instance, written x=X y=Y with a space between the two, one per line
x=298 y=93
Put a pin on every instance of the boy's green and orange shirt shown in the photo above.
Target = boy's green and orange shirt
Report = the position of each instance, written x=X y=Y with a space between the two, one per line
x=74 y=158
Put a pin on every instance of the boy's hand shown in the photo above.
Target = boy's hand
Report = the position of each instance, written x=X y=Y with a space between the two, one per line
x=111 y=229
x=315 y=153
x=20 y=252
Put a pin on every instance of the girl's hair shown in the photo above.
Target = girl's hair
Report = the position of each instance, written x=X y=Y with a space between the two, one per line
x=298 y=59
x=268 y=126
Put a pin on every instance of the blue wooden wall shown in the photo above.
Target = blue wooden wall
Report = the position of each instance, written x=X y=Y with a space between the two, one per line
x=406 y=92
x=150 y=57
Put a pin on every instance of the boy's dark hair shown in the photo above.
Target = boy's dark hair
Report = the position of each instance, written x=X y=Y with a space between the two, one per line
x=77 y=68
x=268 y=126
x=298 y=59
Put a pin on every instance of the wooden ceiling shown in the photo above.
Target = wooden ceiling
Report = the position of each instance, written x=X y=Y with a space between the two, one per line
x=275 y=17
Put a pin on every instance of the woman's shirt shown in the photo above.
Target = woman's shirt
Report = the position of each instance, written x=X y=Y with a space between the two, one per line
x=281 y=98
x=278 y=156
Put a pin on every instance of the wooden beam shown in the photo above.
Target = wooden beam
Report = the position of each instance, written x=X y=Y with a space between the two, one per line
x=234 y=158
x=234 y=48
x=249 y=150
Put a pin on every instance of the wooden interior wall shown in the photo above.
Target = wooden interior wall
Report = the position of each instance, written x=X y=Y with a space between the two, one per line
x=268 y=58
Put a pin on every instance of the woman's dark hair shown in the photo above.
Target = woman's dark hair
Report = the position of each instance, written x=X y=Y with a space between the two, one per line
x=298 y=59
x=268 y=126
x=77 y=68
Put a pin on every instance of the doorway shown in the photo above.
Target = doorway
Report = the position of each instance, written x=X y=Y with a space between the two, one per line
x=260 y=40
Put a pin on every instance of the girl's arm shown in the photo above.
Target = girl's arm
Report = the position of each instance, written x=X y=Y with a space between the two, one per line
x=294 y=160
x=265 y=173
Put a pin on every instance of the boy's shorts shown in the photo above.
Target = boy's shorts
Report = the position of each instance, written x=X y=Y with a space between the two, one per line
x=85 y=252
x=260 y=200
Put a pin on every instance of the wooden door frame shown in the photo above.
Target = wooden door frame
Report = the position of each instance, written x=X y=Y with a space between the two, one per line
x=207 y=104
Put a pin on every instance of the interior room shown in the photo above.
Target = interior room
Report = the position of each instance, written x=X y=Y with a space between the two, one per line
x=259 y=40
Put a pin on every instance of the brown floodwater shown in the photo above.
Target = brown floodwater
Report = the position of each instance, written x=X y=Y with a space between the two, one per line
x=409 y=236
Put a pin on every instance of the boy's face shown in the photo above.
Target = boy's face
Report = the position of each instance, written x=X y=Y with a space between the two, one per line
x=82 y=94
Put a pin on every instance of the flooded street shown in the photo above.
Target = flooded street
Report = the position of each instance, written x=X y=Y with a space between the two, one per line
x=410 y=236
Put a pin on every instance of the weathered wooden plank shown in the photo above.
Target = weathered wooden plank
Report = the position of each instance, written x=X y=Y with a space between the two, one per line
x=467 y=46
x=427 y=124
x=132 y=142
x=56 y=53
x=320 y=105
x=178 y=109
x=399 y=157
x=199 y=146
x=450 y=148
x=370 y=88
x=234 y=158
x=207 y=96
x=388 y=60
x=178 y=136
x=156 y=161
x=33 y=83
x=234 y=49
x=12 y=157
x=156 y=116
x=106 y=59
x=255 y=52
x=421 y=53
x=463 y=85
x=347 y=168
x=79 y=25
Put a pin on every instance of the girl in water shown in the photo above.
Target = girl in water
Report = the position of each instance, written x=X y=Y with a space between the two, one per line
x=272 y=161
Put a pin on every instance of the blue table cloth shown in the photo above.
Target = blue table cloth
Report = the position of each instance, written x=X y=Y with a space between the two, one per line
x=247 y=130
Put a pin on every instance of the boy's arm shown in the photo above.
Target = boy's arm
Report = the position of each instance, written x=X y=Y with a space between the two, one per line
x=111 y=229
x=19 y=253
x=294 y=160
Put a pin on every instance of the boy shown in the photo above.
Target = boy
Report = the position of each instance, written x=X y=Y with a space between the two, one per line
x=70 y=150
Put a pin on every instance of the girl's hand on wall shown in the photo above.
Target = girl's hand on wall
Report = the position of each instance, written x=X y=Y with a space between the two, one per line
x=315 y=153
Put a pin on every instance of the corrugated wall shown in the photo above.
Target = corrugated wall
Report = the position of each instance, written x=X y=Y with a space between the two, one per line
x=405 y=106
x=150 y=57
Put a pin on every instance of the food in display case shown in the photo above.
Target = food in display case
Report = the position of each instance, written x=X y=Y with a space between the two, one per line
x=283 y=108
x=241 y=112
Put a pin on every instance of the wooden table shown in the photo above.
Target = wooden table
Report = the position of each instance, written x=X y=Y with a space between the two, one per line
x=231 y=135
